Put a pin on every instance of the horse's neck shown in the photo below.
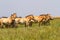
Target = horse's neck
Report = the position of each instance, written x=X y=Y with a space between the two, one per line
x=36 y=17
x=9 y=17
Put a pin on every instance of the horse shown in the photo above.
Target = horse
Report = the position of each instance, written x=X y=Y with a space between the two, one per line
x=31 y=19
x=27 y=20
x=47 y=19
x=9 y=21
x=39 y=19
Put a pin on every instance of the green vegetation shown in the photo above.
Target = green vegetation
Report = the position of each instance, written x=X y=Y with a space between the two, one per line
x=50 y=32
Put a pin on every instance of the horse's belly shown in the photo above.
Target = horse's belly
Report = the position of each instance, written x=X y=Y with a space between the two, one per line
x=22 y=21
x=16 y=21
x=5 y=21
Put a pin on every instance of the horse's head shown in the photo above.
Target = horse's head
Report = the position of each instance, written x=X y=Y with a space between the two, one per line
x=49 y=17
x=13 y=16
x=42 y=18
x=30 y=17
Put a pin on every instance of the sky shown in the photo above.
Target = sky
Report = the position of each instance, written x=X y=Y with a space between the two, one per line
x=26 y=7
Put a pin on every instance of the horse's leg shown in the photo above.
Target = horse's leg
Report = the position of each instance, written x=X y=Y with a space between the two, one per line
x=2 y=25
x=12 y=24
x=44 y=23
x=30 y=24
x=25 y=24
x=48 y=22
x=39 y=24
x=6 y=26
x=16 y=25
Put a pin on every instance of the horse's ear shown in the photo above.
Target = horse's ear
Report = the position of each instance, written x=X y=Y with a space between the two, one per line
x=14 y=13
x=11 y=14
x=48 y=14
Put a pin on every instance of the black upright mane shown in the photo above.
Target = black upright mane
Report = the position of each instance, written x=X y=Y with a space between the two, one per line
x=4 y=17
x=29 y=15
x=43 y=15
x=19 y=17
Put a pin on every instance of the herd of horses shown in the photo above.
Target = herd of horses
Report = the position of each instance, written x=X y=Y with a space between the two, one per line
x=13 y=21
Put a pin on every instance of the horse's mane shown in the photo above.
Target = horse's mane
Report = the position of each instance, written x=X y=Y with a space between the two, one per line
x=13 y=14
x=29 y=15
x=4 y=17
x=48 y=14
x=18 y=17
x=43 y=15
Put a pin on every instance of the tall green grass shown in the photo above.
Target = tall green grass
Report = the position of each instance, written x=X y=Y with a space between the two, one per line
x=50 y=32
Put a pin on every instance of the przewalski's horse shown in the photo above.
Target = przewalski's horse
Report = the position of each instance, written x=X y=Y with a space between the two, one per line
x=13 y=17
x=39 y=19
x=47 y=19
x=9 y=21
x=27 y=20
x=31 y=20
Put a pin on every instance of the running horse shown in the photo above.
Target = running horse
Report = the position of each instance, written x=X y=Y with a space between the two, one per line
x=10 y=21
x=27 y=20
x=30 y=19
x=47 y=19
x=39 y=19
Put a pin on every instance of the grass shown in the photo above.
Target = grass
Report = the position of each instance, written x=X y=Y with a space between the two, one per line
x=50 y=32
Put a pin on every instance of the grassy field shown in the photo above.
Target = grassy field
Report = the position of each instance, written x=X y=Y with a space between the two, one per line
x=50 y=32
